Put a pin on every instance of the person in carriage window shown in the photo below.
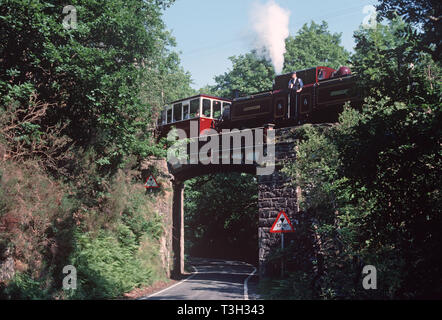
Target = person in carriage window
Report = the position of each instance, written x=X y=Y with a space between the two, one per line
x=296 y=83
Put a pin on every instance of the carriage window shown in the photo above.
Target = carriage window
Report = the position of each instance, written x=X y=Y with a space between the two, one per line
x=185 y=112
x=194 y=108
x=169 y=116
x=177 y=112
x=206 y=108
x=216 y=109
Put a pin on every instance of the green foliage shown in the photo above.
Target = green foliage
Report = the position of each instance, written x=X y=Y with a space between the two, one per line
x=24 y=287
x=390 y=62
x=314 y=46
x=104 y=77
x=250 y=73
x=425 y=13
x=82 y=104
x=137 y=223
x=167 y=82
x=107 y=267
x=35 y=230
x=119 y=232
x=117 y=243
x=284 y=289
x=220 y=216
x=372 y=184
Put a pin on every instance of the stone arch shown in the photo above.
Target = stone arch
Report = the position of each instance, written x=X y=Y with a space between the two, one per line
x=275 y=193
x=180 y=177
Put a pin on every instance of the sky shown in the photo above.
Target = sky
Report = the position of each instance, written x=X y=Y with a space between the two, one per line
x=208 y=32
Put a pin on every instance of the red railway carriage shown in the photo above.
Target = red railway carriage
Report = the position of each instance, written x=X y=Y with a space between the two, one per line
x=203 y=109
x=321 y=100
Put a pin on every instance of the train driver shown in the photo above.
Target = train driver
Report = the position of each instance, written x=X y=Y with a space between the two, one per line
x=296 y=83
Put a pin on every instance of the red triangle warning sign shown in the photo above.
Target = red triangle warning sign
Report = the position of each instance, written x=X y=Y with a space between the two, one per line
x=151 y=183
x=282 y=224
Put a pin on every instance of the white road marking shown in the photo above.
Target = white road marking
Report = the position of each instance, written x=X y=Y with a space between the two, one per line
x=172 y=286
x=246 y=289
x=226 y=272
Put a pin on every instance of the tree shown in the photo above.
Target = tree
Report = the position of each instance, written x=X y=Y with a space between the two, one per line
x=371 y=183
x=250 y=73
x=221 y=216
x=313 y=46
x=390 y=62
x=423 y=13
x=93 y=73
x=165 y=82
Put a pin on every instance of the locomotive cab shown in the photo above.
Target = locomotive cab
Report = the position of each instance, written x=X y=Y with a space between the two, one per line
x=224 y=120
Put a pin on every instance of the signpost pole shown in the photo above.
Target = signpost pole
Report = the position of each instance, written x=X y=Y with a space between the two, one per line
x=282 y=257
x=282 y=225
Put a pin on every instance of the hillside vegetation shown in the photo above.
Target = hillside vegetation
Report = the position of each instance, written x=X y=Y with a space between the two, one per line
x=78 y=108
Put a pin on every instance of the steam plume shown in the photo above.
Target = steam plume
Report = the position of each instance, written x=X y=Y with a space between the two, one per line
x=270 y=22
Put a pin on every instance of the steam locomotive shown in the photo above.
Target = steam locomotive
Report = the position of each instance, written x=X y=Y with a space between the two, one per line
x=321 y=100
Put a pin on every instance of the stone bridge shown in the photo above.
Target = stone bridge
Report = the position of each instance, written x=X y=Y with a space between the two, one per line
x=276 y=193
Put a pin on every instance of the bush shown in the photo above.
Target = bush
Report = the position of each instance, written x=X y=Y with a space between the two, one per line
x=110 y=252
x=113 y=241
x=372 y=186
x=24 y=287
x=35 y=227
x=107 y=267
x=297 y=286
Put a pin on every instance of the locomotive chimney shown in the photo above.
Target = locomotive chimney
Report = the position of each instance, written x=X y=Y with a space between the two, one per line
x=236 y=94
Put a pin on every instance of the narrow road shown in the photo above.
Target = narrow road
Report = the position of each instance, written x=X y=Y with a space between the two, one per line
x=213 y=280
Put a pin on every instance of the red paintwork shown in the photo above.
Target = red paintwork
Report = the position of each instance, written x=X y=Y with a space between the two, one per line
x=328 y=72
x=344 y=71
x=203 y=124
x=272 y=229
x=206 y=123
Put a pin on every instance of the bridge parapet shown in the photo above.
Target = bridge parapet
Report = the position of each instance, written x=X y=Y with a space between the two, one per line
x=249 y=150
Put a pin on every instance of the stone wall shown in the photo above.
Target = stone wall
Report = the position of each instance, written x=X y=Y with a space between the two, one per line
x=163 y=205
x=275 y=193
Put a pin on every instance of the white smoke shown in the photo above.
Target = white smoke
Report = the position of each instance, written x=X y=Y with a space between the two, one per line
x=270 y=22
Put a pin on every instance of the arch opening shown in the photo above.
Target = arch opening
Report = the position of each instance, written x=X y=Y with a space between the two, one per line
x=221 y=217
